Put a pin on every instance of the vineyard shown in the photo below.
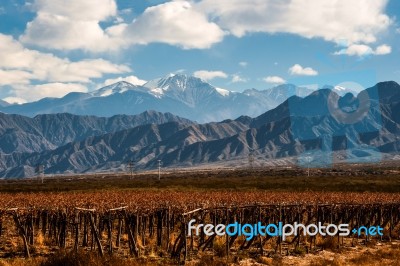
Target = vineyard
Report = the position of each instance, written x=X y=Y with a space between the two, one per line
x=154 y=223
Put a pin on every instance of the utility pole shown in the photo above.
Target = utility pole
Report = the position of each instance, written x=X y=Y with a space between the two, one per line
x=308 y=160
x=251 y=158
x=40 y=172
x=130 y=168
x=159 y=169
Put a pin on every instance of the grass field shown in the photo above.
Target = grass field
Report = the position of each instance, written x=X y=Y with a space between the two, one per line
x=360 y=179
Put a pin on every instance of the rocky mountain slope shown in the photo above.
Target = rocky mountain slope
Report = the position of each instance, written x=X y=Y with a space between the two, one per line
x=294 y=128
x=47 y=132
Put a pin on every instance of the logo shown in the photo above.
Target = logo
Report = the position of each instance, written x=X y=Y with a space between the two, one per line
x=280 y=230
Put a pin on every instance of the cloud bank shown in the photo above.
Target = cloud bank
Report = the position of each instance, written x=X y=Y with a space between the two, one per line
x=201 y=24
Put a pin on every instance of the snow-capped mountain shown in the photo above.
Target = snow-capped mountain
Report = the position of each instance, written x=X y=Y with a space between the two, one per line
x=342 y=91
x=119 y=87
x=186 y=89
x=67 y=143
x=183 y=95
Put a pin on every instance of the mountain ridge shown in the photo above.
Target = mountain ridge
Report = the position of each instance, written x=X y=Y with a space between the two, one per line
x=296 y=126
x=50 y=131
x=182 y=95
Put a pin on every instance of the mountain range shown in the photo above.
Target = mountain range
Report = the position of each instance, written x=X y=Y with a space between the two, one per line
x=182 y=95
x=66 y=143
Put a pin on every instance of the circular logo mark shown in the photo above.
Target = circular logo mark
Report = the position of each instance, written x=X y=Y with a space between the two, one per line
x=338 y=113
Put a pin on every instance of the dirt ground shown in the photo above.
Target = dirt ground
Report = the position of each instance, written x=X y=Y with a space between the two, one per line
x=375 y=255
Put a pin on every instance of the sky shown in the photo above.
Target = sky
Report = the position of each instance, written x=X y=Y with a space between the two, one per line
x=49 y=48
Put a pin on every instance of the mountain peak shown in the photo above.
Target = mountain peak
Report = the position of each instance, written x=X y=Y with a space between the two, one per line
x=386 y=90
x=123 y=83
x=178 y=75
x=175 y=82
x=4 y=103
x=389 y=83
x=119 y=87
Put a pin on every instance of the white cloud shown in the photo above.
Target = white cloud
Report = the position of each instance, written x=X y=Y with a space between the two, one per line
x=200 y=24
x=72 y=26
x=118 y=20
x=398 y=30
x=179 y=71
x=354 y=21
x=47 y=67
x=21 y=66
x=131 y=79
x=274 y=80
x=11 y=77
x=302 y=71
x=364 y=50
x=383 y=49
x=77 y=26
x=243 y=64
x=209 y=75
x=126 y=11
x=355 y=50
x=36 y=92
x=77 y=9
x=175 y=23
x=83 y=71
x=237 y=78
x=13 y=100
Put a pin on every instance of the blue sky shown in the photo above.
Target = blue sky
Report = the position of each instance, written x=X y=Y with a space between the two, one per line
x=48 y=49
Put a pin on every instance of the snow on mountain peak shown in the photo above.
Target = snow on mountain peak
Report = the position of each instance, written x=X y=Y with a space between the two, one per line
x=177 y=81
x=119 y=87
x=171 y=81
x=170 y=75
x=223 y=92
x=341 y=90
x=157 y=92
x=178 y=86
